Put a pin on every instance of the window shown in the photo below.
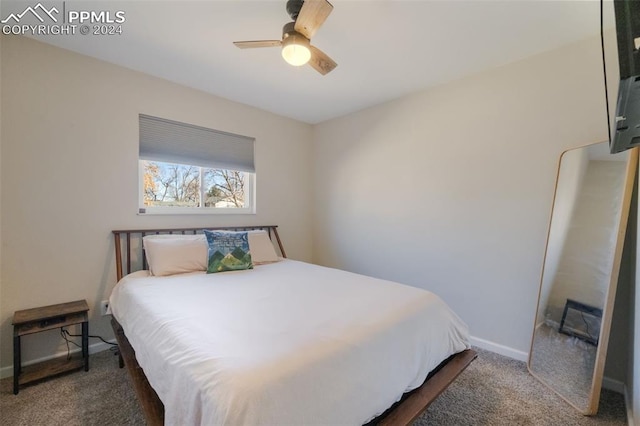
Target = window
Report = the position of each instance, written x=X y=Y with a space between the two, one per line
x=190 y=169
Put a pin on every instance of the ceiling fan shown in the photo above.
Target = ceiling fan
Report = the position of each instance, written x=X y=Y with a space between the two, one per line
x=308 y=16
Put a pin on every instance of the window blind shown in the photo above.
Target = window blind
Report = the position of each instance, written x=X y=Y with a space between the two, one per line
x=174 y=142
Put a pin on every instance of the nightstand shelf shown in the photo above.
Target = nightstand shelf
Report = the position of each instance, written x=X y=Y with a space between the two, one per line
x=36 y=320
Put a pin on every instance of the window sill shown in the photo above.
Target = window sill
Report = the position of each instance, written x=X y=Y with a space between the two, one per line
x=194 y=211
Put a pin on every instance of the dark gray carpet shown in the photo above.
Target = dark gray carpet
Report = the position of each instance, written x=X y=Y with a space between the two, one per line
x=102 y=396
x=494 y=390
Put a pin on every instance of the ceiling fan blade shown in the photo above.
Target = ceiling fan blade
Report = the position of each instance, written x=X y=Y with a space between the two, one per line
x=321 y=62
x=312 y=16
x=257 y=43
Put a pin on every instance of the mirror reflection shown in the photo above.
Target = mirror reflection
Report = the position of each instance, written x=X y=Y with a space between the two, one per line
x=580 y=272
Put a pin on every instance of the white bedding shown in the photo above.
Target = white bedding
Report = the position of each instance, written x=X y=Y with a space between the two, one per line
x=287 y=343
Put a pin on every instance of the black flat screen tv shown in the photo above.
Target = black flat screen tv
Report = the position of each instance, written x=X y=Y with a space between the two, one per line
x=626 y=131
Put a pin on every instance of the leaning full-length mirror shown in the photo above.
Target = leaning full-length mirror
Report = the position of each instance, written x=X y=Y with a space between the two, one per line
x=580 y=273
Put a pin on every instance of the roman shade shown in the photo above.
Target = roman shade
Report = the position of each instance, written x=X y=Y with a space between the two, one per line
x=174 y=142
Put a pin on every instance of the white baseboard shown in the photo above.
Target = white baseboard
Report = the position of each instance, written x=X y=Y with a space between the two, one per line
x=613 y=385
x=629 y=404
x=101 y=346
x=500 y=349
x=94 y=348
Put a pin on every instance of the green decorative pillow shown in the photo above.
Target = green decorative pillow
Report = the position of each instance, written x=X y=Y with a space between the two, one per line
x=228 y=251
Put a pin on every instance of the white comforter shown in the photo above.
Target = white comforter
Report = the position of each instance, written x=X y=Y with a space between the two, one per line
x=287 y=343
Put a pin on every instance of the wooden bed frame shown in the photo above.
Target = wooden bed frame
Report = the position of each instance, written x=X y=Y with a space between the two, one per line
x=404 y=412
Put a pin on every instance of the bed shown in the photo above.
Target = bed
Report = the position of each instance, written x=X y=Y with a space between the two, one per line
x=284 y=342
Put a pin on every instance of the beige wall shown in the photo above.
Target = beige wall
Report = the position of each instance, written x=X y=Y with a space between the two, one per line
x=69 y=176
x=450 y=189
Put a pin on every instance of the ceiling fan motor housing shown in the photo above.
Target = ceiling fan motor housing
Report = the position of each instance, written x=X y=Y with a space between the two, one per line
x=293 y=8
x=289 y=31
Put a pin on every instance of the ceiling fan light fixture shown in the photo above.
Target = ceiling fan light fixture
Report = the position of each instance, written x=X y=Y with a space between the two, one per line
x=295 y=49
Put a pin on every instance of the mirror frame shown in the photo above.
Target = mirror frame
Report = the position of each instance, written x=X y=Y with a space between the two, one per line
x=607 y=313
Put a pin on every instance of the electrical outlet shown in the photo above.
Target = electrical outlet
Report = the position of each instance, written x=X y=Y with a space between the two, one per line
x=104 y=305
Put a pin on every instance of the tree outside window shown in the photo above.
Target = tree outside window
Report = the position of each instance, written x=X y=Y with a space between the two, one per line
x=179 y=185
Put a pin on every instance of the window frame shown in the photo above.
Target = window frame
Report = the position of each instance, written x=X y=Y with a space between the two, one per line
x=250 y=183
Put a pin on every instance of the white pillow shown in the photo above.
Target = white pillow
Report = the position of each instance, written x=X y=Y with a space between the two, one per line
x=261 y=248
x=175 y=254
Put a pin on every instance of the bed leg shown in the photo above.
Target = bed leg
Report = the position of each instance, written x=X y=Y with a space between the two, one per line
x=150 y=403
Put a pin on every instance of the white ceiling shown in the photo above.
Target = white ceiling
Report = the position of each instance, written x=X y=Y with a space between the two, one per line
x=384 y=48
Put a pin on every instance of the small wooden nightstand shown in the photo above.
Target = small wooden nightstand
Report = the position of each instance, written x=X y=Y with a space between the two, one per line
x=35 y=320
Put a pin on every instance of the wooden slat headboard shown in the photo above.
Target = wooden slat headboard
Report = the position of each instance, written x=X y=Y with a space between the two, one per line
x=127 y=251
